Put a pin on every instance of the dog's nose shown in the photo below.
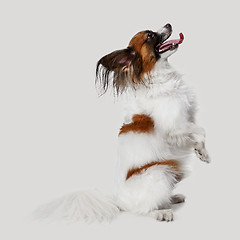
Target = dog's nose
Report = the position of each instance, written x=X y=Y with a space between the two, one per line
x=168 y=25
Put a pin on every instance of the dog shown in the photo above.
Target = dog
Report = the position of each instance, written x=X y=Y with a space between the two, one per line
x=157 y=139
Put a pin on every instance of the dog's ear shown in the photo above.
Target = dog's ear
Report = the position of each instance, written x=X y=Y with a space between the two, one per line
x=121 y=66
x=119 y=60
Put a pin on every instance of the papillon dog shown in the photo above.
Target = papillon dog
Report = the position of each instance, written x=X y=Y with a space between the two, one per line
x=157 y=139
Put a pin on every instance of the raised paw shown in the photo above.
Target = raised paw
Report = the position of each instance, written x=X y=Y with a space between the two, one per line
x=202 y=154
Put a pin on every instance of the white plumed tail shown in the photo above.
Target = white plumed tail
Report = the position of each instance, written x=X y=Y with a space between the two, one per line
x=88 y=206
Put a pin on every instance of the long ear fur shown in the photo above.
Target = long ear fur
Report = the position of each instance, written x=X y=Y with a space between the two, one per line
x=120 y=69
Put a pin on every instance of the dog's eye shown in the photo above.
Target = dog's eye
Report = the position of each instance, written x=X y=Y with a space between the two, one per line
x=150 y=35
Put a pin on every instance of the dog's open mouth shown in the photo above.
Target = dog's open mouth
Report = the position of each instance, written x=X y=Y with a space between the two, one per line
x=169 y=45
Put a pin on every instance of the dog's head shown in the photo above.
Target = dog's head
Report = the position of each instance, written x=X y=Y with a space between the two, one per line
x=130 y=66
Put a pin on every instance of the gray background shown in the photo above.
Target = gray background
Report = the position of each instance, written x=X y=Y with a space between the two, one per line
x=57 y=136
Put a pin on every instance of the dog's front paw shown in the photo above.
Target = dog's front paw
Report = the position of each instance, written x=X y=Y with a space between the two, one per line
x=202 y=154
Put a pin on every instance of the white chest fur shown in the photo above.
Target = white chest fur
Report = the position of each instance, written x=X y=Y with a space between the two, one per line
x=165 y=98
x=170 y=103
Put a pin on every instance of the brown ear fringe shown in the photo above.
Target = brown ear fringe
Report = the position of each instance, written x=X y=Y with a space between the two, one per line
x=119 y=69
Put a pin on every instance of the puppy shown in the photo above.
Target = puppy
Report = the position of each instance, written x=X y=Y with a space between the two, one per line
x=158 y=136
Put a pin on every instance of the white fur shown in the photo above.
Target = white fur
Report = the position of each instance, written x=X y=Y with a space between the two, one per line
x=161 y=215
x=171 y=105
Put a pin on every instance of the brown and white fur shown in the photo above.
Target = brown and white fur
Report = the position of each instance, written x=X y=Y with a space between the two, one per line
x=156 y=141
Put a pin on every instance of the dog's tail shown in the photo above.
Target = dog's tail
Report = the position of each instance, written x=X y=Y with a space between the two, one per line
x=88 y=206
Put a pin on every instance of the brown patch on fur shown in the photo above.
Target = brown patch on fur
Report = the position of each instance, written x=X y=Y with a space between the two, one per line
x=137 y=41
x=140 y=44
x=141 y=123
x=148 y=59
x=171 y=163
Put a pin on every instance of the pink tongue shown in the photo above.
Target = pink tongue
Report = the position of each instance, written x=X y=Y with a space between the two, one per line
x=167 y=44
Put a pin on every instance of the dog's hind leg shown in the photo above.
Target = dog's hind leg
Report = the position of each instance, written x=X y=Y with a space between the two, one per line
x=167 y=214
x=177 y=198
x=161 y=215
